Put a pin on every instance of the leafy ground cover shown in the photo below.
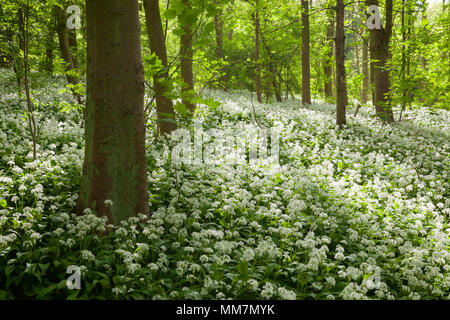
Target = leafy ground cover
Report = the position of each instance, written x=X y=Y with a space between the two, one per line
x=358 y=213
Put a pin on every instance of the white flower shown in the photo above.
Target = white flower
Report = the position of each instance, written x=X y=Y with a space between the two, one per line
x=253 y=284
x=339 y=256
x=248 y=254
x=35 y=236
x=108 y=203
x=286 y=294
x=220 y=296
x=133 y=267
x=267 y=291
x=143 y=246
x=153 y=267
x=87 y=255
x=204 y=259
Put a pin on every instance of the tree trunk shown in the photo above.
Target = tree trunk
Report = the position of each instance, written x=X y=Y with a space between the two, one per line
x=20 y=19
x=358 y=70
x=275 y=85
x=64 y=46
x=31 y=119
x=164 y=105
x=403 y=76
x=258 y=67
x=269 y=83
x=187 y=55
x=73 y=45
x=271 y=69
x=306 y=72
x=115 y=164
x=18 y=63
x=48 y=63
x=365 y=71
x=6 y=56
x=327 y=69
x=286 y=96
x=379 y=49
x=218 y=23
x=341 y=86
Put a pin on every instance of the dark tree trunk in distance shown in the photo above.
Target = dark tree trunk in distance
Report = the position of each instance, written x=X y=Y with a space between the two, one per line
x=164 y=105
x=341 y=86
x=64 y=46
x=73 y=45
x=49 y=47
x=328 y=87
x=365 y=70
x=218 y=24
x=276 y=86
x=379 y=51
x=306 y=72
x=257 y=57
x=187 y=55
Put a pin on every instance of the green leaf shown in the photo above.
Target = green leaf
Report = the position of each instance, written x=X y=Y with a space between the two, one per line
x=45 y=291
x=44 y=266
x=167 y=120
x=180 y=108
x=3 y=295
x=243 y=268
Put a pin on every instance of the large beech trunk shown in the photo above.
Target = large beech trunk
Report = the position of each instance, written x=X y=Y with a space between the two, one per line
x=115 y=162
x=164 y=105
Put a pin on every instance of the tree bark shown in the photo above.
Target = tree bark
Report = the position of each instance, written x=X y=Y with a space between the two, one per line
x=306 y=72
x=187 y=55
x=73 y=45
x=341 y=86
x=218 y=24
x=115 y=162
x=268 y=83
x=20 y=19
x=271 y=69
x=47 y=64
x=358 y=70
x=275 y=85
x=365 y=70
x=164 y=105
x=64 y=46
x=31 y=119
x=380 y=52
x=6 y=56
x=327 y=69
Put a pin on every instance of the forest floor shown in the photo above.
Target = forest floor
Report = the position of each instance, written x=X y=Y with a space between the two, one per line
x=357 y=213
